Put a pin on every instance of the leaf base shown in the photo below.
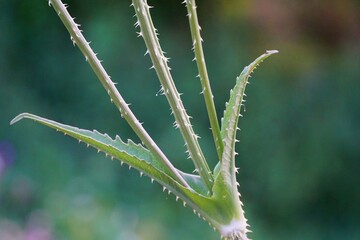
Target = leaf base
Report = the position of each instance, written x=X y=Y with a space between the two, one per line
x=236 y=230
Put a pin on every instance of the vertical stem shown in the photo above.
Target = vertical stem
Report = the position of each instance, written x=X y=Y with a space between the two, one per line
x=148 y=32
x=204 y=78
x=78 y=39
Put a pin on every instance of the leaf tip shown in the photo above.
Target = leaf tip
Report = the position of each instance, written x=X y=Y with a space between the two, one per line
x=270 y=52
x=20 y=117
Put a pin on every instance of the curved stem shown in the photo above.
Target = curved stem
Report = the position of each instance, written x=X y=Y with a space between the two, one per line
x=78 y=39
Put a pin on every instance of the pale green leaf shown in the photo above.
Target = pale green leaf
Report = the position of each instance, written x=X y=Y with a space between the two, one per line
x=135 y=155
x=231 y=117
x=225 y=186
x=215 y=209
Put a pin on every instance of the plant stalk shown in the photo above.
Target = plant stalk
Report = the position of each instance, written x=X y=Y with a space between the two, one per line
x=148 y=32
x=78 y=39
x=203 y=75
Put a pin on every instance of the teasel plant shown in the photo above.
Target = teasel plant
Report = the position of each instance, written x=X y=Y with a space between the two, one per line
x=212 y=194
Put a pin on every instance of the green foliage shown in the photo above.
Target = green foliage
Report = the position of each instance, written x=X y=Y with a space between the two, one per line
x=299 y=141
x=213 y=195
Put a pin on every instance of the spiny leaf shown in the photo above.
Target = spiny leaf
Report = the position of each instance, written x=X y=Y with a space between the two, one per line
x=216 y=209
x=231 y=117
x=135 y=155
x=225 y=172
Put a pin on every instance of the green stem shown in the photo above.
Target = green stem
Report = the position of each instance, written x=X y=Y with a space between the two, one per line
x=78 y=39
x=148 y=32
x=204 y=78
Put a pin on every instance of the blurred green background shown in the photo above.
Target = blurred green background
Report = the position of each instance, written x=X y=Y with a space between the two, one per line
x=300 y=140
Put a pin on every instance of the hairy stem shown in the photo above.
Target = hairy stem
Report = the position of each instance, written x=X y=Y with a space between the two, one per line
x=78 y=39
x=203 y=75
x=148 y=32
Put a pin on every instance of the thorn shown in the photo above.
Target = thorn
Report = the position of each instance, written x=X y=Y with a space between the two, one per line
x=87 y=145
x=177 y=198
x=98 y=150
x=152 y=180
x=73 y=41
x=121 y=163
x=164 y=188
x=184 y=204
x=129 y=167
